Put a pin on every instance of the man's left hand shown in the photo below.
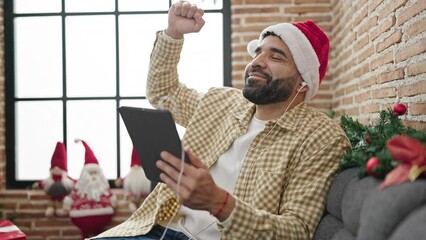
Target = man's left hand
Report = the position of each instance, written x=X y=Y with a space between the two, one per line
x=197 y=189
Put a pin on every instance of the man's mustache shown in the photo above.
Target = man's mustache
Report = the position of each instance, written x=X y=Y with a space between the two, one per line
x=257 y=69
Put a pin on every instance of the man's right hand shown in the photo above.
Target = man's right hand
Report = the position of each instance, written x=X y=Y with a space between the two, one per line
x=184 y=18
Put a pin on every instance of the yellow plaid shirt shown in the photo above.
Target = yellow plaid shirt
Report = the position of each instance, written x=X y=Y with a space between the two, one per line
x=282 y=186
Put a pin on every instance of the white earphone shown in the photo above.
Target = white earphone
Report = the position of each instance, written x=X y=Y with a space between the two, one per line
x=303 y=85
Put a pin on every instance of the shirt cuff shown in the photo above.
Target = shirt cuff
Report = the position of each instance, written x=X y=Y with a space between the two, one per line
x=227 y=223
x=164 y=34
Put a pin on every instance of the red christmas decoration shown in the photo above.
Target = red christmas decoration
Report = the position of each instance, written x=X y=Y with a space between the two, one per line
x=399 y=109
x=372 y=163
x=412 y=157
x=368 y=139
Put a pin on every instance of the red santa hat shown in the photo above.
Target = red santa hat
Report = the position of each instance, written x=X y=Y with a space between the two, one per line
x=308 y=45
x=90 y=161
x=135 y=159
x=59 y=157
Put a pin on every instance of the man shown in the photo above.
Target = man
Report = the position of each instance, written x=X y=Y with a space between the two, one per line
x=91 y=202
x=261 y=161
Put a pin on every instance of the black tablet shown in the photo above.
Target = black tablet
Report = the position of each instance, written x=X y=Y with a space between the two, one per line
x=151 y=131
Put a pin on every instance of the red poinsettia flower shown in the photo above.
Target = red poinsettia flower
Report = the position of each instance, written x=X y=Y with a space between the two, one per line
x=412 y=157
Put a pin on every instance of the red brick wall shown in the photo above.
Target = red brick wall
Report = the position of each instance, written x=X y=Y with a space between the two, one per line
x=377 y=59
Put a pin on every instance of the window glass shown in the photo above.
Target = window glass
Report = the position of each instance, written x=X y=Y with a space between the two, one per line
x=91 y=57
x=143 y=5
x=89 y=5
x=135 y=47
x=206 y=4
x=75 y=61
x=39 y=126
x=37 y=6
x=38 y=57
x=201 y=64
x=93 y=121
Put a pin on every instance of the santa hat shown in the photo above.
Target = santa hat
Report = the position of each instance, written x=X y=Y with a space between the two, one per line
x=308 y=45
x=135 y=159
x=59 y=157
x=90 y=161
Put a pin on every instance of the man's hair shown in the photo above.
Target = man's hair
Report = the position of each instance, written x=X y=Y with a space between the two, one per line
x=269 y=33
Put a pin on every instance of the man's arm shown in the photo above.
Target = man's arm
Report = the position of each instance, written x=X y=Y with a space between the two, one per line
x=163 y=87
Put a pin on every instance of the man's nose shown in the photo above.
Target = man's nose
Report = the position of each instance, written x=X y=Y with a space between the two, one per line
x=259 y=61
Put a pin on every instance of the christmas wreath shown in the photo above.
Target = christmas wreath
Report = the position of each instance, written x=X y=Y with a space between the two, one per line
x=388 y=150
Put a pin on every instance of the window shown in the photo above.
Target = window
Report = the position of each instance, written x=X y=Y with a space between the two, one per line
x=71 y=63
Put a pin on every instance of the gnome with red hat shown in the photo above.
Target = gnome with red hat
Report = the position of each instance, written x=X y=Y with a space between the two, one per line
x=58 y=184
x=135 y=183
x=91 y=202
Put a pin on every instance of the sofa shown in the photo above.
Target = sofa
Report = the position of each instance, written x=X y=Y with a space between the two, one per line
x=356 y=208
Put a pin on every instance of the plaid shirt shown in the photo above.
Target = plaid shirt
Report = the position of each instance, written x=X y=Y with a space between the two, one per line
x=282 y=186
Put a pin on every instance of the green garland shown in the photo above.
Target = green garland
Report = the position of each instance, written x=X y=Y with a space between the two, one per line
x=370 y=141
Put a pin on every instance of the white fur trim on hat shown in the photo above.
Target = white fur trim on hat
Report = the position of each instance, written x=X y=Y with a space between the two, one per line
x=303 y=53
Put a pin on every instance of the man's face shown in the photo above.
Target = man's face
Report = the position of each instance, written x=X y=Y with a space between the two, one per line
x=272 y=75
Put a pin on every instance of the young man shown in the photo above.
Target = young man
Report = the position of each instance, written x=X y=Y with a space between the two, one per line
x=261 y=159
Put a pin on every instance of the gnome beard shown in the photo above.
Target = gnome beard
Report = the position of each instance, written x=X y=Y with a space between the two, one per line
x=136 y=186
x=136 y=182
x=92 y=185
x=58 y=185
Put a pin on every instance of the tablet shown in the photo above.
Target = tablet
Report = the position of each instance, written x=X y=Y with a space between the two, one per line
x=151 y=131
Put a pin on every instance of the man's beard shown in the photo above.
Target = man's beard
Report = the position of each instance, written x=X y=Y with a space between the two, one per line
x=274 y=90
x=92 y=189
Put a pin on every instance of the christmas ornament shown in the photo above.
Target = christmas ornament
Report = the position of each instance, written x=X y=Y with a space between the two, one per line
x=368 y=139
x=58 y=184
x=91 y=202
x=372 y=163
x=136 y=185
x=410 y=154
x=399 y=109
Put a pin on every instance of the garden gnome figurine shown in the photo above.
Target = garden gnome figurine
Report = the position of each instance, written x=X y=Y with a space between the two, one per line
x=91 y=202
x=136 y=185
x=58 y=184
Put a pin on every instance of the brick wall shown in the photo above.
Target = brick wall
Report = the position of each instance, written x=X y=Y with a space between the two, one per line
x=377 y=59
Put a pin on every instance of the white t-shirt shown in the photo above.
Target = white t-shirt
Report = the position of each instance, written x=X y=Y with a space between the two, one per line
x=200 y=224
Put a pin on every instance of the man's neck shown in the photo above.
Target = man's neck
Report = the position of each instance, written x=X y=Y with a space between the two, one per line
x=275 y=110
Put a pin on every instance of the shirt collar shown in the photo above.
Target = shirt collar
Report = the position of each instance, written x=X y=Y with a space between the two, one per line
x=289 y=121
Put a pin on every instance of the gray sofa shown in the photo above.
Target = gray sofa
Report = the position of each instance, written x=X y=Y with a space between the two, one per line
x=357 y=209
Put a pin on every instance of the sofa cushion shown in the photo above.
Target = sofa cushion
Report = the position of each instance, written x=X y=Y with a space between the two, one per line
x=343 y=234
x=353 y=198
x=384 y=210
x=328 y=227
x=413 y=227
